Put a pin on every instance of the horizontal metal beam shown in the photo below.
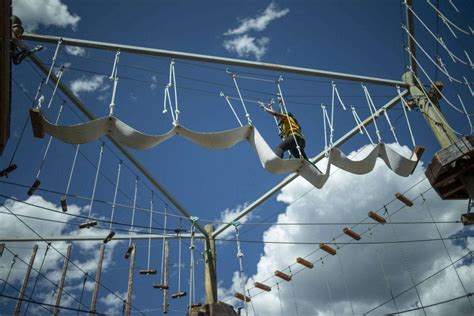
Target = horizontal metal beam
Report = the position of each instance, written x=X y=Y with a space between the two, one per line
x=212 y=59
x=319 y=157
x=81 y=106
x=96 y=238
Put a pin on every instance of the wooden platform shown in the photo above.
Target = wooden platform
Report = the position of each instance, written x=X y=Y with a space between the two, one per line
x=449 y=165
x=5 y=73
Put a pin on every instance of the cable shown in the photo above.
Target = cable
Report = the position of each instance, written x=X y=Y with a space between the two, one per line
x=435 y=304
x=18 y=290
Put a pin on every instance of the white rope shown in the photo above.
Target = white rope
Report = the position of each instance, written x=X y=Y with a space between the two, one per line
x=373 y=110
x=361 y=126
x=330 y=298
x=96 y=178
x=439 y=39
x=345 y=284
x=175 y=89
x=247 y=115
x=53 y=61
x=448 y=22
x=288 y=117
x=279 y=298
x=442 y=65
x=167 y=99
x=191 y=264
x=326 y=122
x=59 y=75
x=163 y=247
x=231 y=107
x=454 y=6
x=468 y=86
x=114 y=78
x=392 y=128
x=405 y=106
x=133 y=209
x=335 y=91
x=386 y=280
x=117 y=182
x=49 y=143
x=240 y=255
x=469 y=59
x=293 y=290
x=465 y=112
x=149 y=231
x=72 y=170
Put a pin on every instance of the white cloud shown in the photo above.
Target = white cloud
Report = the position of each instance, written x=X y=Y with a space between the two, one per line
x=228 y=215
x=113 y=303
x=354 y=275
x=154 y=84
x=259 y=23
x=45 y=12
x=245 y=46
x=75 y=50
x=91 y=84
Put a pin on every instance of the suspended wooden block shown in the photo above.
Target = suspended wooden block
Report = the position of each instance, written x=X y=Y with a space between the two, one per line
x=34 y=187
x=351 y=233
x=178 y=295
x=282 y=275
x=242 y=297
x=148 y=271
x=262 y=286
x=305 y=262
x=88 y=224
x=5 y=172
x=160 y=286
x=63 y=203
x=467 y=219
x=37 y=123
x=109 y=237
x=404 y=199
x=376 y=217
x=196 y=305
x=2 y=248
x=418 y=151
x=328 y=249
x=129 y=251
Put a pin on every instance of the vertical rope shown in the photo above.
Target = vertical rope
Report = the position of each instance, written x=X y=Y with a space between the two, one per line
x=392 y=128
x=372 y=112
x=362 y=128
x=82 y=292
x=133 y=209
x=231 y=107
x=59 y=75
x=53 y=61
x=247 y=115
x=163 y=247
x=191 y=263
x=338 y=96
x=279 y=298
x=467 y=114
x=175 y=89
x=114 y=77
x=345 y=284
x=330 y=298
x=149 y=231
x=115 y=193
x=251 y=304
x=326 y=148
x=387 y=281
x=96 y=178
x=293 y=290
x=405 y=106
x=240 y=256
x=72 y=170
x=179 y=261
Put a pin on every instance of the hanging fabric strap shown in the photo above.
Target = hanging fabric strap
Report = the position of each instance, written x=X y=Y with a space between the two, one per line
x=49 y=143
x=231 y=107
x=133 y=210
x=240 y=256
x=361 y=126
x=191 y=264
x=288 y=116
x=114 y=77
x=405 y=106
x=101 y=153
x=59 y=75
x=149 y=231
x=373 y=110
x=163 y=247
x=115 y=193
x=247 y=115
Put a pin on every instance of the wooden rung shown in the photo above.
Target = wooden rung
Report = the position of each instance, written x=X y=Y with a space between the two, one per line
x=304 y=262
x=88 y=224
x=63 y=203
x=160 y=286
x=404 y=199
x=34 y=187
x=328 y=249
x=37 y=123
x=129 y=252
x=148 y=271
x=351 y=233
x=241 y=297
x=282 y=275
x=196 y=305
x=178 y=295
x=262 y=286
x=467 y=219
x=376 y=217
x=5 y=172
x=109 y=237
x=418 y=151
x=2 y=247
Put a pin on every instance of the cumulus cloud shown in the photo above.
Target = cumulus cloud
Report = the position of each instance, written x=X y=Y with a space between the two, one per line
x=259 y=23
x=353 y=279
x=75 y=50
x=84 y=84
x=228 y=215
x=246 y=46
x=46 y=13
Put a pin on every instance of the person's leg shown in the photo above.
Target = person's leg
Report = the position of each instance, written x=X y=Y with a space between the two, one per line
x=294 y=149
x=287 y=144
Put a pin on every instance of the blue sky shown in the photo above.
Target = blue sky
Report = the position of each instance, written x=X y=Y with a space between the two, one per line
x=363 y=38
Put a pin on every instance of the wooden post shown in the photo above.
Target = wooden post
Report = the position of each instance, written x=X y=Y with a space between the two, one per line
x=97 y=279
x=165 y=277
x=128 y=304
x=210 y=269
x=61 y=282
x=21 y=295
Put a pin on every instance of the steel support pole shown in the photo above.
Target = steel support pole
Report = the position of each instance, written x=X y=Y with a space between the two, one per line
x=411 y=30
x=210 y=274
x=319 y=157
x=98 y=271
x=211 y=59
x=128 y=303
x=61 y=282
x=94 y=238
x=21 y=295
x=165 y=278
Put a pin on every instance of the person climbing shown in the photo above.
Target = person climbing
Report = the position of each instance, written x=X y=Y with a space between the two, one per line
x=290 y=133
x=17 y=52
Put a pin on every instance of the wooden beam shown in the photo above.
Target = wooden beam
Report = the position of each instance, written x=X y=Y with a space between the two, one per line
x=210 y=266
x=5 y=73
x=404 y=199
x=305 y=262
x=98 y=271
x=349 y=232
x=128 y=304
x=376 y=217
x=165 y=278
x=262 y=286
x=282 y=275
x=21 y=295
x=328 y=249
x=61 y=282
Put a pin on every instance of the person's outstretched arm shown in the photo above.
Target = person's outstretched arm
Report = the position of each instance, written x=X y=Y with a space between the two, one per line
x=274 y=113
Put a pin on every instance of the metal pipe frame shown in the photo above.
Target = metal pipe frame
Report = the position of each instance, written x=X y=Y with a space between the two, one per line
x=211 y=59
x=96 y=238
x=411 y=40
x=319 y=157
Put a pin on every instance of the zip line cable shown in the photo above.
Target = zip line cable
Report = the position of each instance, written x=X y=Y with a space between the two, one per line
x=434 y=304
